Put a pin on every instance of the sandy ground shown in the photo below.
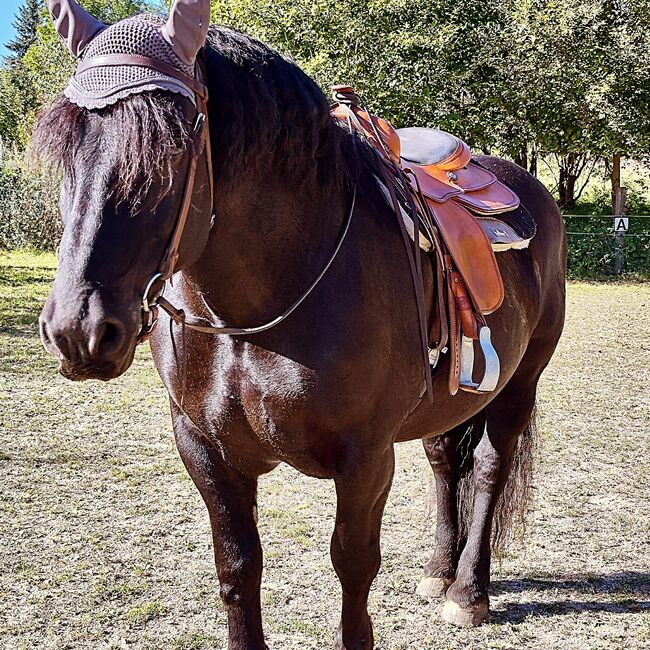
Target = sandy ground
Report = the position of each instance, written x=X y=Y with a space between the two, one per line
x=104 y=541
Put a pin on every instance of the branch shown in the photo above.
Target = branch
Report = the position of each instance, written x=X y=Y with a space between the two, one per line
x=591 y=171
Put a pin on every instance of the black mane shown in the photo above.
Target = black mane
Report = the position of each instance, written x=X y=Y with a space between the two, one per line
x=269 y=111
x=264 y=110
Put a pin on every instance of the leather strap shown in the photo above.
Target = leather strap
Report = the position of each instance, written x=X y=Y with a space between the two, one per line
x=170 y=259
x=391 y=176
x=168 y=265
x=179 y=315
x=454 y=331
x=137 y=60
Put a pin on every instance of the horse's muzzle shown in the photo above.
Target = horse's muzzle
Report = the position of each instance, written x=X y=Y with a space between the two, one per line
x=87 y=347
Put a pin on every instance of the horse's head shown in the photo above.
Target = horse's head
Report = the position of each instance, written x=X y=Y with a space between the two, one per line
x=125 y=137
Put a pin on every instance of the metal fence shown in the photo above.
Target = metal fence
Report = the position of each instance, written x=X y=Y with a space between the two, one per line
x=604 y=245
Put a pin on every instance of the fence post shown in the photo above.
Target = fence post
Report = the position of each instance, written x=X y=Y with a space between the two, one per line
x=619 y=211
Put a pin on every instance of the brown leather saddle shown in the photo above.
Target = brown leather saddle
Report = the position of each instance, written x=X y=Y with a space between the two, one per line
x=451 y=213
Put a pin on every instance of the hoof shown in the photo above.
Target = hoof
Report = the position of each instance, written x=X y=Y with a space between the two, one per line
x=464 y=617
x=433 y=588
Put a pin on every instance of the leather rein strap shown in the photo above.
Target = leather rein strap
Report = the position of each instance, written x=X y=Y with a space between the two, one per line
x=179 y=316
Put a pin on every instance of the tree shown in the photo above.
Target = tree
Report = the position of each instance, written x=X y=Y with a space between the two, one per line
x=40 y=71
x=522 y=78
x=29 y=16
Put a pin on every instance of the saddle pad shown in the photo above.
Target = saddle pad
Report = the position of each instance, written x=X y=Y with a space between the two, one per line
x=501 y=235
x=472 y=254
x=439 y=186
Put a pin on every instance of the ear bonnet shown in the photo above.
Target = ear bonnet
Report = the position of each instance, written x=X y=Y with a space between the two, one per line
x=100 y=79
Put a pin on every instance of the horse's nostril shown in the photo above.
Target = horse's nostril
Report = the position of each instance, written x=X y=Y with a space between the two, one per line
x=110 y=338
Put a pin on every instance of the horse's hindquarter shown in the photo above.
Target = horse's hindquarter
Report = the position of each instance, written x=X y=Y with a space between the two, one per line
x=529 y=321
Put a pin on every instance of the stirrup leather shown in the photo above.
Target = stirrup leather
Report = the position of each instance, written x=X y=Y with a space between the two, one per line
x=492 y=364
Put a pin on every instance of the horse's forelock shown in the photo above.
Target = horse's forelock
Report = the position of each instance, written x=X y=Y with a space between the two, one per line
x=141 y=133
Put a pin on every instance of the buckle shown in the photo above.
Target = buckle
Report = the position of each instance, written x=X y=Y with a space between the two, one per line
x=149 y=306
x=149 y=302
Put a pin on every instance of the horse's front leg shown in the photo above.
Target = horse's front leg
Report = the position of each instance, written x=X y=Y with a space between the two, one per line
x=231 y=501
x=361 y=496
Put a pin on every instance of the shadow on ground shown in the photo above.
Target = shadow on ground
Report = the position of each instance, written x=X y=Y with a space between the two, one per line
x=616 y=593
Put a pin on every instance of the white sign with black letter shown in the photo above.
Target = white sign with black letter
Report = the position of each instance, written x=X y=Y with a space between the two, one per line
x=621 y=224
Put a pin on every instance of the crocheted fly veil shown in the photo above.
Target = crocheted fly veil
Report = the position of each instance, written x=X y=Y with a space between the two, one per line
x=101 y=79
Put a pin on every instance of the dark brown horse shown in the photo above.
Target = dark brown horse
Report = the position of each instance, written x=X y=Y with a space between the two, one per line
x=332 y=388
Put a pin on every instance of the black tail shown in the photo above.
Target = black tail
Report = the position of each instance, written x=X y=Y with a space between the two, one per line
x=509 y=520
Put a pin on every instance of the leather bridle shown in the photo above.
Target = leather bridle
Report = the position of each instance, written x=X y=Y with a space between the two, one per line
x=152 y=297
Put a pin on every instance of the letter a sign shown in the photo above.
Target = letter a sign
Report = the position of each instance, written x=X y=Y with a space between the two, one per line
x=621 y=225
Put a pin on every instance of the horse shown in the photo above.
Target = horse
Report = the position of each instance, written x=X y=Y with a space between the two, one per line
x=333 y=386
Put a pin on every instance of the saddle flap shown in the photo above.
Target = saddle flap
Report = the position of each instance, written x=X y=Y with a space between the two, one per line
x=472 y=254
x=493 y=199
x=440 y=185
x=433 y=188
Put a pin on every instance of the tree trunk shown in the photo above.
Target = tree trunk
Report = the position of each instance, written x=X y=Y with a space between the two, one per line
x=615 y=177
x=521 y=158
x=532 y=168
x=567 y=184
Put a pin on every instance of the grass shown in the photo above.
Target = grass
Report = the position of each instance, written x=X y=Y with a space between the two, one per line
x=104 y=542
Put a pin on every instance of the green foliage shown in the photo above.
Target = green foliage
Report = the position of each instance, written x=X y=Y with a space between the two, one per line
x=506 y=75
x=591 y=249
x=520 y=78
x=29 y=214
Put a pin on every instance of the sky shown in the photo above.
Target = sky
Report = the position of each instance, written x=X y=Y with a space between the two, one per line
x=8 y=11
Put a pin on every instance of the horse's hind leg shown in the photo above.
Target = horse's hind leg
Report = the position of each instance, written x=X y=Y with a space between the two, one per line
x=231 y=501
x=508 y=417
x=361 y=496
x=446 y=456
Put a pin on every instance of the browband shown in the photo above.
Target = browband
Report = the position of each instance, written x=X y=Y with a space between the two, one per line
x=137 y=60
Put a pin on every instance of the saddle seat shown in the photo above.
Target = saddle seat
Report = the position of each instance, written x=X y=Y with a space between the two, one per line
x=432 y=147
x=455 y=191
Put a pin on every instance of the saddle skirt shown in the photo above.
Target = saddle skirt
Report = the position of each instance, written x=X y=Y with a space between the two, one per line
x=463 y=200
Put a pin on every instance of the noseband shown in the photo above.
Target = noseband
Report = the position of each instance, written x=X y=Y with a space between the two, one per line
x=152 y=297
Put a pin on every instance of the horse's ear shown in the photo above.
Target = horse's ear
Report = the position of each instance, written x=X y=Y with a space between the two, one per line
x=187 y=28
x=74 y=24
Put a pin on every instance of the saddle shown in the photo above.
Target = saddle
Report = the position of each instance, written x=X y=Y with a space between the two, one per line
x=447 y=204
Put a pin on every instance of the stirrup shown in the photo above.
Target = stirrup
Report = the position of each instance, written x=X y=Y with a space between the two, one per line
x=492 y=365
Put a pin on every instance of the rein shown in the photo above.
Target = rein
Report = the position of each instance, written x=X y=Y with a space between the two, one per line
x=152 y=297
x=179 y=316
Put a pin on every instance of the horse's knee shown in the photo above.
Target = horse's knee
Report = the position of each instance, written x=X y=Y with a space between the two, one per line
x=240 y=582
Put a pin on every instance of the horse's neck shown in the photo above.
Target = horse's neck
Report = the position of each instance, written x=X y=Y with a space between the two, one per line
x=268 y=243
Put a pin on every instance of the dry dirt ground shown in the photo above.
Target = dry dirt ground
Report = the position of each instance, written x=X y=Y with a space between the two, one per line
x=104 y=541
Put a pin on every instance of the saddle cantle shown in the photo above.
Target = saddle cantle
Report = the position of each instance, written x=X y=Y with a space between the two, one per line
x=458 y=200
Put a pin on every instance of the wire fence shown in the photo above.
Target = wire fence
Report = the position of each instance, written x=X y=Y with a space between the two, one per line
x=598 y=248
